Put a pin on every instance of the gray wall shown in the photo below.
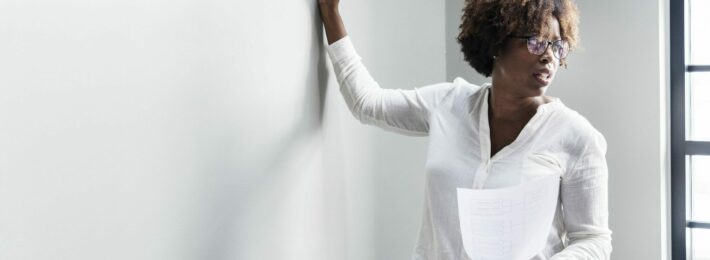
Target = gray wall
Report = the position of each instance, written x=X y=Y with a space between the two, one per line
x=205 y=130
x=401 y=49
x=214 y=129
x=617 y=81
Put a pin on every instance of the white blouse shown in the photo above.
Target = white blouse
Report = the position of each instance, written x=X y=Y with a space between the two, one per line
x=454 y=115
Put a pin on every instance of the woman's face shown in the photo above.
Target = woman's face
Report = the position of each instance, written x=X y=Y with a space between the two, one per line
x=527 y=74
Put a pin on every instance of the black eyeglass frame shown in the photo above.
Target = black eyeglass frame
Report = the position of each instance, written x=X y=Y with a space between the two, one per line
x=555 y=44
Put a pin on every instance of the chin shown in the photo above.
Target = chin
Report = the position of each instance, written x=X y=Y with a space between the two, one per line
x=538 y=90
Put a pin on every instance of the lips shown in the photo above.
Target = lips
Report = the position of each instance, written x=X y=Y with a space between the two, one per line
x=544 y=76
x=544 y=73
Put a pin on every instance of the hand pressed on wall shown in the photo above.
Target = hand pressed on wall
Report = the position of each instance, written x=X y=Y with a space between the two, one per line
x=334 y=27
x=328 y=4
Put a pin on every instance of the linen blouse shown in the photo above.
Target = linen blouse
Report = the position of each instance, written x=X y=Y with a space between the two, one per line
x=454 y=115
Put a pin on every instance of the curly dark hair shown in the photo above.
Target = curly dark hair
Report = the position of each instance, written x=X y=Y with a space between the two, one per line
x=486 y=25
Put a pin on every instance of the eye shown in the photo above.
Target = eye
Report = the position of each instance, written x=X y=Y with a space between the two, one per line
x=561 y=48
x=536 y=46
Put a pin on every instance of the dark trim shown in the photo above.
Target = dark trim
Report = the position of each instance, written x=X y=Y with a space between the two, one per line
x=699 y=224
x=677 y=69
x=692 y=68
x=696 y=147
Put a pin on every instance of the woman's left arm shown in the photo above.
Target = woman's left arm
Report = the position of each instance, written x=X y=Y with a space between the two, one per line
x=584 y=196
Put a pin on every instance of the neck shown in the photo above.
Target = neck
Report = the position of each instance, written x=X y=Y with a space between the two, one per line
x=507 y=105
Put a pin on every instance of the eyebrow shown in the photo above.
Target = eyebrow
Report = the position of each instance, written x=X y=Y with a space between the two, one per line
x=553 y=38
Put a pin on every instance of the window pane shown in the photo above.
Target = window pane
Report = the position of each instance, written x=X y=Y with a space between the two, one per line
x=699 y=36
x=700 y=239
x=699 y=94
x=700 y=188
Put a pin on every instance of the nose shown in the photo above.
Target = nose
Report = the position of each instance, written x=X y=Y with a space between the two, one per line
x=547 y=56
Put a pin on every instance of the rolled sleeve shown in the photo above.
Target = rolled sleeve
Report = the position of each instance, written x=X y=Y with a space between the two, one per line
x=405 y=111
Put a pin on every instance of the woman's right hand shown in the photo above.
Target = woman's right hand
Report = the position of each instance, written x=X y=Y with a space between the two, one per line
x=329 y=5
x=334 y=27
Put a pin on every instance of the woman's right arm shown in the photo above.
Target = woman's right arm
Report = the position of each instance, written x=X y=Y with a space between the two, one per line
x=333 y=23
x=398 y=110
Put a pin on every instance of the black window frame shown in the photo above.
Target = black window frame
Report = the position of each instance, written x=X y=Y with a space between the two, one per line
x=680 y=146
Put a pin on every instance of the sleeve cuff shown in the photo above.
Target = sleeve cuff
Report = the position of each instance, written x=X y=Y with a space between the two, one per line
x=341 y=49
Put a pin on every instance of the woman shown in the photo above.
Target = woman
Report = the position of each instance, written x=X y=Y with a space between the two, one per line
x=498 y=134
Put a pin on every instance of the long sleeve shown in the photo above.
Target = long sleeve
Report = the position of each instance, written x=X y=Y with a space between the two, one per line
x=397 y=110
x=584 y=198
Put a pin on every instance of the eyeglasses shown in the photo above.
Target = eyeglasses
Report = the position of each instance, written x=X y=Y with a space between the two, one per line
x=537 y=46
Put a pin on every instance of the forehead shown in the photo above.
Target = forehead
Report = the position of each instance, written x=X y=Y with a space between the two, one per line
x=551 y=29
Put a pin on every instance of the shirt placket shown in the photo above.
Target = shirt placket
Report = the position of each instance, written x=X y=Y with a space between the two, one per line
x=484 y=169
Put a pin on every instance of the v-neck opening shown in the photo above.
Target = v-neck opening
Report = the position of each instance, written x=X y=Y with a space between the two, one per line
x=484 y=127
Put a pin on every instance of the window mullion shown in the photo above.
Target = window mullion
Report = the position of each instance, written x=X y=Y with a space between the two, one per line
x=698 y=68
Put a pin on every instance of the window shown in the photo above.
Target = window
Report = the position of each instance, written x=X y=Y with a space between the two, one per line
x=690 y=128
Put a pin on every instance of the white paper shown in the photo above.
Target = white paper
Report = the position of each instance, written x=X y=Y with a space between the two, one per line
x=508 y=223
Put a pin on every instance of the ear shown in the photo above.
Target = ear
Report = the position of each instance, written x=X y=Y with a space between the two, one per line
x=498 y=52
x=503 y=48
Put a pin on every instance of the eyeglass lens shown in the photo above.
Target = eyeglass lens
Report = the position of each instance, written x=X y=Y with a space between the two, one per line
x=536 y=46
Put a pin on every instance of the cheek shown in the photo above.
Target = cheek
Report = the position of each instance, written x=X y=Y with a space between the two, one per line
x=518 y=65
x=523 y=66
x=514 y=71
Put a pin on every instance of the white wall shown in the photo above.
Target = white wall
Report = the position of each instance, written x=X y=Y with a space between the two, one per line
x=214 y=129
x=402 y=45
x=617 y=82
x=205 y=130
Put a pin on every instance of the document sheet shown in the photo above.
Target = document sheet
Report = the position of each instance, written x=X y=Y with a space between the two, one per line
x=508 y=223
